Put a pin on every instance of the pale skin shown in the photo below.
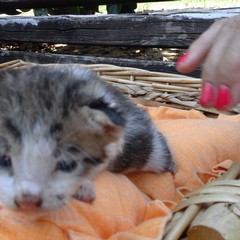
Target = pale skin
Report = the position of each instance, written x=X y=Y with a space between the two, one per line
x=218 y=49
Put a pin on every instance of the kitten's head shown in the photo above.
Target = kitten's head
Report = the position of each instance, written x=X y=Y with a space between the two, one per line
x=59 y=127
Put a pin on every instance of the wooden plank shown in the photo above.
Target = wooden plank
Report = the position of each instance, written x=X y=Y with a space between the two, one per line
x=121 y=30
x=156 y=66
x=166 y=29
x=14 y=4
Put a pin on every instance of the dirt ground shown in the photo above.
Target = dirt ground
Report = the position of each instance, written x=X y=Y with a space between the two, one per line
x=157 y=54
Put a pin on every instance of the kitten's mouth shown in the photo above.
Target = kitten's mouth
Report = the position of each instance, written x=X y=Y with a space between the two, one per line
x=29 y=205
x=86 y=199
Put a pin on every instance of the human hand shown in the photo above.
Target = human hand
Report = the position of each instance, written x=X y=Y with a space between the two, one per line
x=218 y=49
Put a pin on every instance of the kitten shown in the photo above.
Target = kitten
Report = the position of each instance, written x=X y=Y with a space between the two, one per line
x=59 y=127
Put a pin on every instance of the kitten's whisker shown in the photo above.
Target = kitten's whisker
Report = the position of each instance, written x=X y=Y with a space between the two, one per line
x=69 y=135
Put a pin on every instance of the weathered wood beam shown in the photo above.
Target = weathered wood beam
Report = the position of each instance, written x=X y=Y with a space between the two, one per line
x=156 y=66
x=166 y=29
x=121 y=30
x=14 y=4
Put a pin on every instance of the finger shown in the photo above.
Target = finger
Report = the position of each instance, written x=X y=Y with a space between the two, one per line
x=199 y=49
x=229 y=68
x=211 y=77
x=235 y=90
x=216 y=59
x=221 y=68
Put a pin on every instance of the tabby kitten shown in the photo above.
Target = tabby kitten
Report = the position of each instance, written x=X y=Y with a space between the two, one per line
x=59 y=127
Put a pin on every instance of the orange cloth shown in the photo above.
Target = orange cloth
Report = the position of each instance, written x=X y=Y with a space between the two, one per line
x=138 y=206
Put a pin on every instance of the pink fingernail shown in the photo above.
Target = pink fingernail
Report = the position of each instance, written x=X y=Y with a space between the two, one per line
x=181 y=59
x=207 y=95
x=224 y=97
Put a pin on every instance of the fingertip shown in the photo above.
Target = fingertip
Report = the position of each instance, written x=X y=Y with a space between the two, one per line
x=182 y=59
x=235 y=89
x=207 y=96
x=224 y=98
x=179 y=64
x=185 y=63
x=220 y=98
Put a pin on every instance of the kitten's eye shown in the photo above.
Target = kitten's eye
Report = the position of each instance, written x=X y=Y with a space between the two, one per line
x=92 y=160
x=5 y=161
x=74 y=149
x=66 y=166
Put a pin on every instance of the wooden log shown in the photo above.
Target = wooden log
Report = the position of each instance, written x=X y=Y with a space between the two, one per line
x=156 y=66
x=121 y=30
x=182 y=219
x=14 y=4
x=219 y=222
x=166 y=29
x=160 y=30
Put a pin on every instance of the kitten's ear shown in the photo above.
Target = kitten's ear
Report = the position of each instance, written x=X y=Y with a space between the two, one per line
x=103 y=121
x=110 y=112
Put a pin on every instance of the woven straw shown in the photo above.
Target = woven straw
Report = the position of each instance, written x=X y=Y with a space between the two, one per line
x=226 y=189
x=146 y=87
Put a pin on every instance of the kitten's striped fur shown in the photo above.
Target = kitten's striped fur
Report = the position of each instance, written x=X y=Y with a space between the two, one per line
x=59 y=127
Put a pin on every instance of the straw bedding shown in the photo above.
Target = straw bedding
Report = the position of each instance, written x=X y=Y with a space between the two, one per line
x=147 y=87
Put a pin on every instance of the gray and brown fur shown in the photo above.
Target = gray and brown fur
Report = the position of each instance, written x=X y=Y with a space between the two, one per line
x=60 y=126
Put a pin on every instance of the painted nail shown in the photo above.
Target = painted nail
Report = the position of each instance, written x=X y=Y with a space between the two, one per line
x=224 y=97
x=181 y=59
x=207 y=95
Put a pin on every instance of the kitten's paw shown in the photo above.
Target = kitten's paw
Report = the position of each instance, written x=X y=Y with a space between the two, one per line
x=173 y=168
x=165 y=165
x=85 y=193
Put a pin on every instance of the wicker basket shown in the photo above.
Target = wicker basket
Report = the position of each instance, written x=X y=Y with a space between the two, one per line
x=211 y=212
x=156 y=89
x=146 y=87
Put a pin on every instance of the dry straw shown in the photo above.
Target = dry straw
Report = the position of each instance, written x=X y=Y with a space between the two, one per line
x=146 y=87
x=212 y=212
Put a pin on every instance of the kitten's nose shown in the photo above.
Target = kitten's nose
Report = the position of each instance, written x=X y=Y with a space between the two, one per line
x=29 y=202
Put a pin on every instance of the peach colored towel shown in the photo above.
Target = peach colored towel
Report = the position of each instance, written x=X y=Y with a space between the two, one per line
x=138 y=206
